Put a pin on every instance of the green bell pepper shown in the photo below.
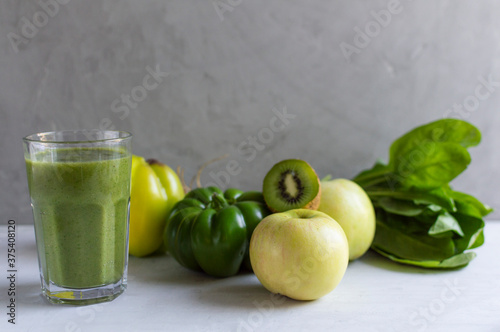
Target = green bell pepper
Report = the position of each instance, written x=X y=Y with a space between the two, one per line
x=210 y=230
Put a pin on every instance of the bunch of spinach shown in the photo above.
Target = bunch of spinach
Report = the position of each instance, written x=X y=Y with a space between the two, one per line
x=421 y=220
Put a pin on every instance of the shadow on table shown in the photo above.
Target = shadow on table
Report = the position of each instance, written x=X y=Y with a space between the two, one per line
x=376 y=260
x=243 y=290
x=248 y=296
x=160 y=269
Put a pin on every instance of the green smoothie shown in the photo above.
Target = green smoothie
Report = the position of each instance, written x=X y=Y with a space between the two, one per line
x=80 y=199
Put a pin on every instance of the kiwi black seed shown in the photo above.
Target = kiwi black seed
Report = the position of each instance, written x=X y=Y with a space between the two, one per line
x=291 y=184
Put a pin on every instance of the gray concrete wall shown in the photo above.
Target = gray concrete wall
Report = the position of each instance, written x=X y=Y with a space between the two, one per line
x=226 y=68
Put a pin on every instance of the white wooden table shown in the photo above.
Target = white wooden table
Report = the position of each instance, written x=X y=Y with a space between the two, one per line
x=375 y=295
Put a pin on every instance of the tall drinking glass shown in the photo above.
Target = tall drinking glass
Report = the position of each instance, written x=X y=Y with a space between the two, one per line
x=79 y=183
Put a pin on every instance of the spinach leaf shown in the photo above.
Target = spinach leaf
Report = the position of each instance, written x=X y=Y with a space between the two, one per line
x=473 y=232
x=444 y=226
x=434 y=197
x=456 y=261
x=421 y=220
x=479 y=240
x=398 y=206
x=377 y=173
x=469 y=205
x=432 y=168
x=405 y=238
x=438 y=196
x=424 y=138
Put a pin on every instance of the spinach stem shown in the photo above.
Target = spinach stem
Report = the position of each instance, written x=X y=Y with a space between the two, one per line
x=390 y=193
x=372 y=175
x=373 y=182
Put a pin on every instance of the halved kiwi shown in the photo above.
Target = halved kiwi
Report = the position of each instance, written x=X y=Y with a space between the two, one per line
x=291 y=184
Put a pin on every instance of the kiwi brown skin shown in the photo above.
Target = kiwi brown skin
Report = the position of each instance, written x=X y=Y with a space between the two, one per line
x=312 y=205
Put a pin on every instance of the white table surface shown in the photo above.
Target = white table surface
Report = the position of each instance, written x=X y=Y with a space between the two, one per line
x=375 y=295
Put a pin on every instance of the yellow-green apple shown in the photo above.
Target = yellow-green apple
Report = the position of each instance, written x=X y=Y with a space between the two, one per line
x=347 y=203
x=302 y=254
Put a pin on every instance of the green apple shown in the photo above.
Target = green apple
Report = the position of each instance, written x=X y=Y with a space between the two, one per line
x=347 y=203
x=302 y=254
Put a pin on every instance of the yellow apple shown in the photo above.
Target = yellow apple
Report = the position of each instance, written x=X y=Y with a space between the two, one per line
x=347 y=203
x=302 y=254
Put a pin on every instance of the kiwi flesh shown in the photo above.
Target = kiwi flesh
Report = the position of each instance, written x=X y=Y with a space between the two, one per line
x=292 y=184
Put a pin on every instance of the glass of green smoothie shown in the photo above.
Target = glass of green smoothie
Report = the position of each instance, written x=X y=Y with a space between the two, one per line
x=79 y=183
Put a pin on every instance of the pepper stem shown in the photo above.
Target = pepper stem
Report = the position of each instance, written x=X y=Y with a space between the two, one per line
x=197 y=177
x=218 y=202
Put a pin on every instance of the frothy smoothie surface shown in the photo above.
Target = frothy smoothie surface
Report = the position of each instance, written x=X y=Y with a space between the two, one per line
x=80 y=200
